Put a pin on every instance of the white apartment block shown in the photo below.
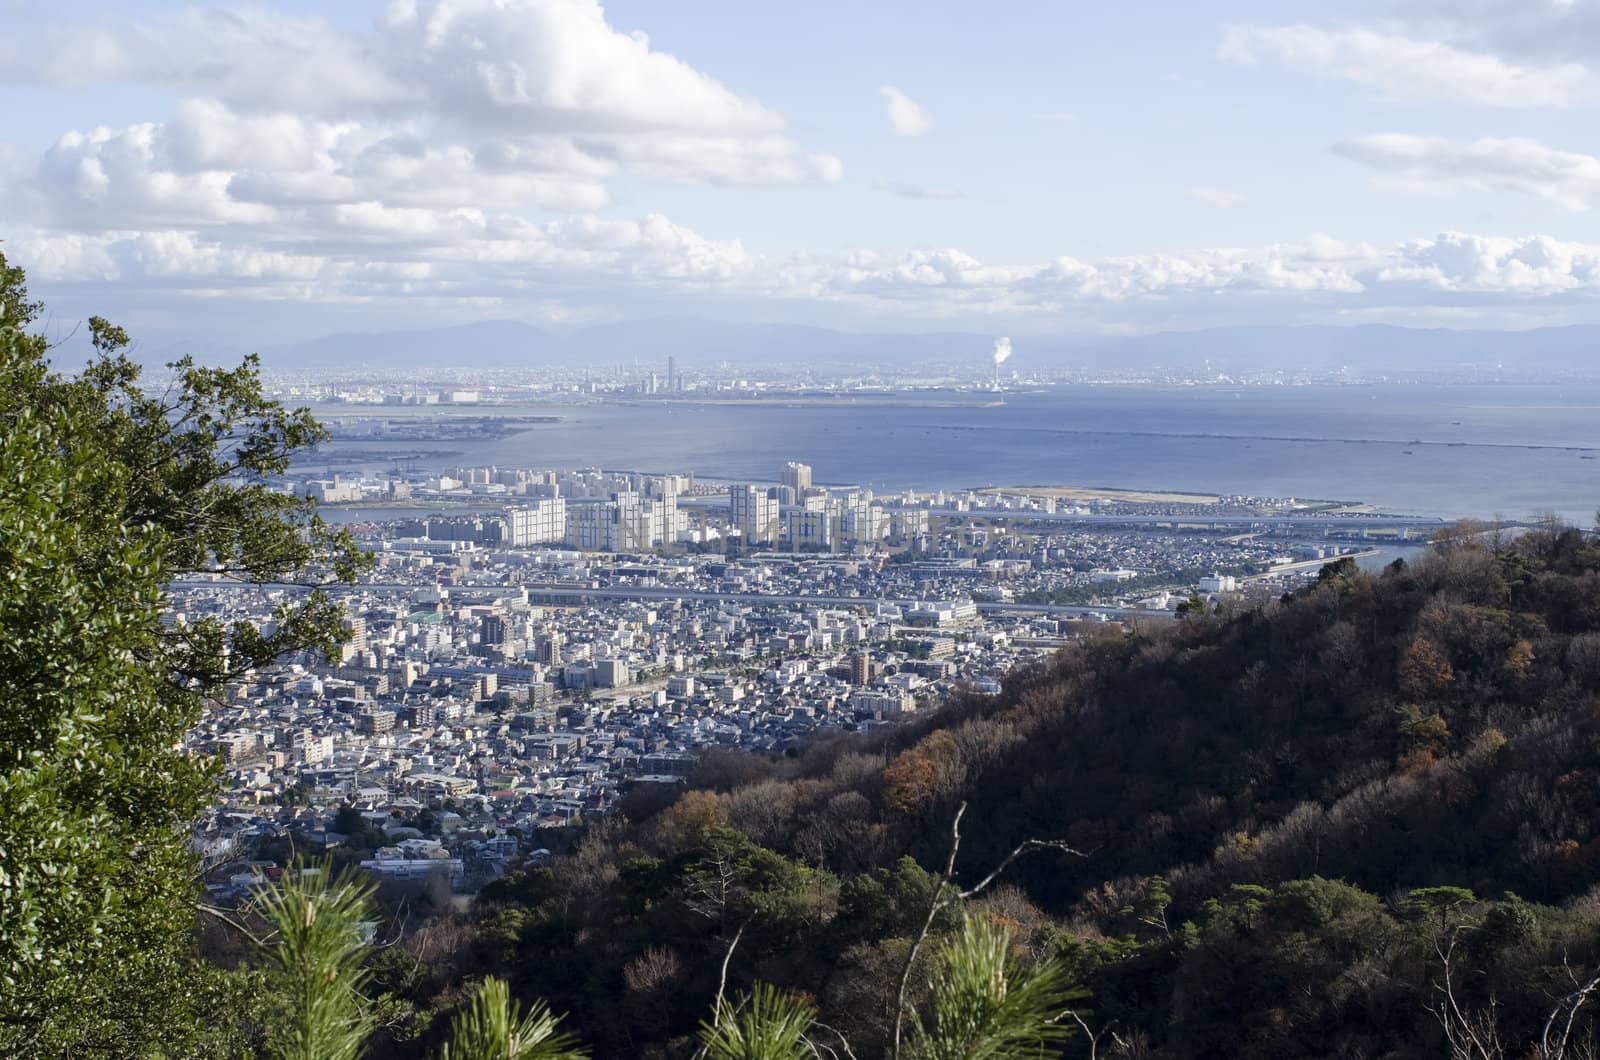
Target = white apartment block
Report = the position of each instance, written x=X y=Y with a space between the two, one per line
x=543 y=522
x=803 y=528
x=754 y=512
x=908 y=523
x=864 y=522
x=312 y=750
x=626 y=523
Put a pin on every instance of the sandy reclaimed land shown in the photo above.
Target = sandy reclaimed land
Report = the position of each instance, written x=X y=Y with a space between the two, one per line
x=1085 y=493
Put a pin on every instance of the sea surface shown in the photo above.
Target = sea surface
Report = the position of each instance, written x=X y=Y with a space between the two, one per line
x=1438 y=450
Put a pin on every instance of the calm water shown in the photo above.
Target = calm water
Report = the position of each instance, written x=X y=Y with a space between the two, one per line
x=1448 y=450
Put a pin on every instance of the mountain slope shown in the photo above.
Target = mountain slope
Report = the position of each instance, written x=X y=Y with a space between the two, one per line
x=1291 y=823
x=487 y=344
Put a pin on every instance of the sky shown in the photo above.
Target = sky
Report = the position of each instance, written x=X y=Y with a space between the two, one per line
x=284 y=170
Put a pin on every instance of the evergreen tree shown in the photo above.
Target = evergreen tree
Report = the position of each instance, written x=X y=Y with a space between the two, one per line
x=766 y=1024
x=494 y=1027
x=986 y=1006
x=317 y=964
x=107 y=493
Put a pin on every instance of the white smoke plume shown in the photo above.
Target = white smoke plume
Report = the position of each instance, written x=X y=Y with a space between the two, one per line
x=1002 y=350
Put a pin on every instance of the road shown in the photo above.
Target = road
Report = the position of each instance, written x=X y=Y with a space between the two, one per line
x=1308 y=523
x=562 y=595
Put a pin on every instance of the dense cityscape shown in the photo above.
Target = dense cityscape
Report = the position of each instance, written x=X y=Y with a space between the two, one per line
x=521 y=667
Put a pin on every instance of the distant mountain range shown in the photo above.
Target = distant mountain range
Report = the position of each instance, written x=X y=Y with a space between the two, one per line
x=1363 y=348
x=508 y=343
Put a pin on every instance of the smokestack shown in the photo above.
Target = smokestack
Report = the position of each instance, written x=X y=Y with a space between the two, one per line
x=1002 y=350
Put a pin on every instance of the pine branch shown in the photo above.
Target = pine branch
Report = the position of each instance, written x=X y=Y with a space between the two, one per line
x=943 y=898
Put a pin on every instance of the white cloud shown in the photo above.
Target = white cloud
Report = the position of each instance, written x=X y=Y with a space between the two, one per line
x=916 y=191
x=1221 y=198
x=1411 y=67
x=390 y=256
x=122 y=176
x=1531 y=30
x=410 y=164
x=712 y=160
x=518 y=81
x=179 y=255
x=556 y=66
x=1432 y=163
x=1537 y=266
x=906 y=116
x=380 y=253
x=210 y=166
x=1319 y=272
x=524 y=65
x=412 y=171
x=408 y=224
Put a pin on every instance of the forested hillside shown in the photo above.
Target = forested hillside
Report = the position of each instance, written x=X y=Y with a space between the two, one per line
x=1363 y=821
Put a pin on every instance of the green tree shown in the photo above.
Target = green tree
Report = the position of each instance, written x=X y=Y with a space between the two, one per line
x=108 y=493
x=766 y=1024
x=317 y=964
x=494 y=1027
x=986 y=1006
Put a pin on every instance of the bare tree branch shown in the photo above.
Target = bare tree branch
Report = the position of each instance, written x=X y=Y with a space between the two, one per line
x=722 y=982
x=1472 y=1036
x=1570 y=1004
x=844 y=1043
x=1094 y=1039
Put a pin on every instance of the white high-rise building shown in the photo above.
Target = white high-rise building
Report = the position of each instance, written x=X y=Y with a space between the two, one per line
x=586 y=526
x=627 y=522
x=907 y=523
x=542 y=523
x=754 y=511
x=803 y=528
x=864 y=522
x=797 y=477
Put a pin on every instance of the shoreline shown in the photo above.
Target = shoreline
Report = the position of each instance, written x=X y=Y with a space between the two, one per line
x=1089 y=493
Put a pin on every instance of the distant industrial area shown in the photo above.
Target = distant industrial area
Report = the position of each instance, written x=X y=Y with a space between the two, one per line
x=481 y=352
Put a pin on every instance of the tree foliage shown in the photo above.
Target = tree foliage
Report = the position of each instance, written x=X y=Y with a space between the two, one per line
x=107 y=493
x=765 y=1024
x=986 y=1005
x=494 y=1027
x=317 y=963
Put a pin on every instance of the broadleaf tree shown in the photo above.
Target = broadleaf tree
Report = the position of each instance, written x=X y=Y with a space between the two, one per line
x=108 y=493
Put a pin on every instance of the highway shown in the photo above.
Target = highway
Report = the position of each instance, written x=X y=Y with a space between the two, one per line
x=565 y=596
x=1310 y=522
